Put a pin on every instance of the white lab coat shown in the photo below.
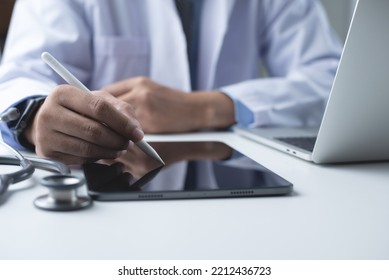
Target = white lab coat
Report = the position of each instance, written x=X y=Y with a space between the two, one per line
x=104 y=41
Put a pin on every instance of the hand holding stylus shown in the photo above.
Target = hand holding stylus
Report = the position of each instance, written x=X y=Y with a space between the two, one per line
x=74 y=127
x=72 y=80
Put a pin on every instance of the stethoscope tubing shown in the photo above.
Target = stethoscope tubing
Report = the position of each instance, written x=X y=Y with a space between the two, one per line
x=28 y=165
x=39 y=163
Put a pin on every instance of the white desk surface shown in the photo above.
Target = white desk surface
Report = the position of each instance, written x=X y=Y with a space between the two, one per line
x=336 y=212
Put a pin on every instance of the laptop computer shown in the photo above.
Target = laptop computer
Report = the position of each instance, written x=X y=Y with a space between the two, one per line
x=355 y=125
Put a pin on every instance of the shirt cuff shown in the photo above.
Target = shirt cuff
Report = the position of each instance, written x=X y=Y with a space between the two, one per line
x=243 y=115
x=8 y=137
x=7 y=132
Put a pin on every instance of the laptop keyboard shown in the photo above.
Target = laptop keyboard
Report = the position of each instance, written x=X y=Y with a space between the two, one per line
x=306 y=143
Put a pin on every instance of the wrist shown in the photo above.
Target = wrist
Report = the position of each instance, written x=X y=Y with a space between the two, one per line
x=28 y=134
x=215 y=110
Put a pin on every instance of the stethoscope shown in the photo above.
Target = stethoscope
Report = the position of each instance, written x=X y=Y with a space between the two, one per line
x=62 y=186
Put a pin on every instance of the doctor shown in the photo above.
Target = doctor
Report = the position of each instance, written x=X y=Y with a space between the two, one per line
x=137 y=57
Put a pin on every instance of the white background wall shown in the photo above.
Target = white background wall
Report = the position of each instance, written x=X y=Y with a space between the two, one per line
x=340 y=13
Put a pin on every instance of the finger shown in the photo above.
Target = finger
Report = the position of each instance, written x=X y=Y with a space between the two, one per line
x=121 y=105
x=58 y=143
x=125 y=86
x=85 y=149
x=89 y=130
x=118 y=88
x=100 y=110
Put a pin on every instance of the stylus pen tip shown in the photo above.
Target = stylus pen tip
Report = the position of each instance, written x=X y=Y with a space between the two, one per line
x=147 y=149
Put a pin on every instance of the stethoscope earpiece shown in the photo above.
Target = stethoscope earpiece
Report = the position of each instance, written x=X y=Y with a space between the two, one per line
x=62 y=194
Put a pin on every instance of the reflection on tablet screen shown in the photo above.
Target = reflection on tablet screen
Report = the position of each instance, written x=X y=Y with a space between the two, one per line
x=193 y=170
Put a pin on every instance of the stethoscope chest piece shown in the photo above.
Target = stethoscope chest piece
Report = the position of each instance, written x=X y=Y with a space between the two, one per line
x=62 y=194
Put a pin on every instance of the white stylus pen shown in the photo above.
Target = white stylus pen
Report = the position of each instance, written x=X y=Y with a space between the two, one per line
x=72 y=80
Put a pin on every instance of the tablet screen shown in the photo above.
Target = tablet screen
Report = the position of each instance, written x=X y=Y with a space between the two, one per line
x=192 y=170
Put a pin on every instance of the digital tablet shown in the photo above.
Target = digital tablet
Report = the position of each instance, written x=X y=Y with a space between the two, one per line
x=192 y=170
